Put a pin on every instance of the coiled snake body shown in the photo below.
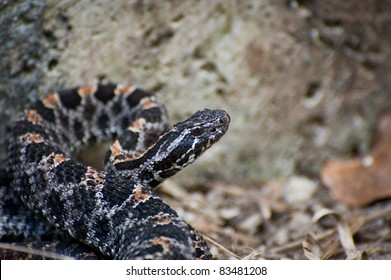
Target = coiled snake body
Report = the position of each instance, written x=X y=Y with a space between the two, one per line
x=113 y=210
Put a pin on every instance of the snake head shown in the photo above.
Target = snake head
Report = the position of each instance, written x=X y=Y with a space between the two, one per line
x=187 y=141
x=200 y=131
x=179 y=146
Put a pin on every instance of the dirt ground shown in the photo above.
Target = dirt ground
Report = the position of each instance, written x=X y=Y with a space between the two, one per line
x=283 y=219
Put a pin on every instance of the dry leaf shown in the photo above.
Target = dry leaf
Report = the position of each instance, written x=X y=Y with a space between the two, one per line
x=344 y=235
x=312 y=249
x=363 y=180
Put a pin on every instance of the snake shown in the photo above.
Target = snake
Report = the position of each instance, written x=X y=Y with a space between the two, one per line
x=114 y=210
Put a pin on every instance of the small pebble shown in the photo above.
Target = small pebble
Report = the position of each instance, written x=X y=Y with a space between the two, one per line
x=299 y=189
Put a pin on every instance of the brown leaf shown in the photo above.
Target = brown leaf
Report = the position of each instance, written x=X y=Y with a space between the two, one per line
x=363 y=180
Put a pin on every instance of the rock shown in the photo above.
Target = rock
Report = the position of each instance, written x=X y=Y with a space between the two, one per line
x=299 y=189
x=302 y=80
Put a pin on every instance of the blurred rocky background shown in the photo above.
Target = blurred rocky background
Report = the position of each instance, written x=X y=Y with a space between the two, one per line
x=306 y=84
x=304 y=81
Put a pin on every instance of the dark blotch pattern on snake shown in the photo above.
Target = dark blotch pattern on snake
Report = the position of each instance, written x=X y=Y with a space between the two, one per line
x=113 y=210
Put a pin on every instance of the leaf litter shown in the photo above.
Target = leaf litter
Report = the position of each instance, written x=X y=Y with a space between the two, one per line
x=261 y=221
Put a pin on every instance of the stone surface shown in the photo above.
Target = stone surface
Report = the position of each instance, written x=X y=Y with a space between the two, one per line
x=303 y=81
x=299 y=190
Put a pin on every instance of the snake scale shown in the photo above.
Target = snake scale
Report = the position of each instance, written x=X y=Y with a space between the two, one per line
x=114 y=210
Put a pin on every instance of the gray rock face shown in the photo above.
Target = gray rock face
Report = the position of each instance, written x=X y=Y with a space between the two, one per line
x=302 y=80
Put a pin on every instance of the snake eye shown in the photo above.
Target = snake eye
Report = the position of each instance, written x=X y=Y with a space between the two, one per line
x=196 y=132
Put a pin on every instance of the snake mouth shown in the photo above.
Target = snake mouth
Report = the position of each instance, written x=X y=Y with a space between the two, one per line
x=222 y=121
x=210 y=125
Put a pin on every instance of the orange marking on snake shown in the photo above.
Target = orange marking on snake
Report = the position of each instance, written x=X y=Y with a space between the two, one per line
x=34 y=138
x=58 y=158
x=122 y=90
x=51 y=100
x=137 y=125
x=163 y=219
x=32 y=116
x=147 y=104
x=139 y=195
x=87 y=90
x=116 y=148
x=162 y=241
x=93 y=174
